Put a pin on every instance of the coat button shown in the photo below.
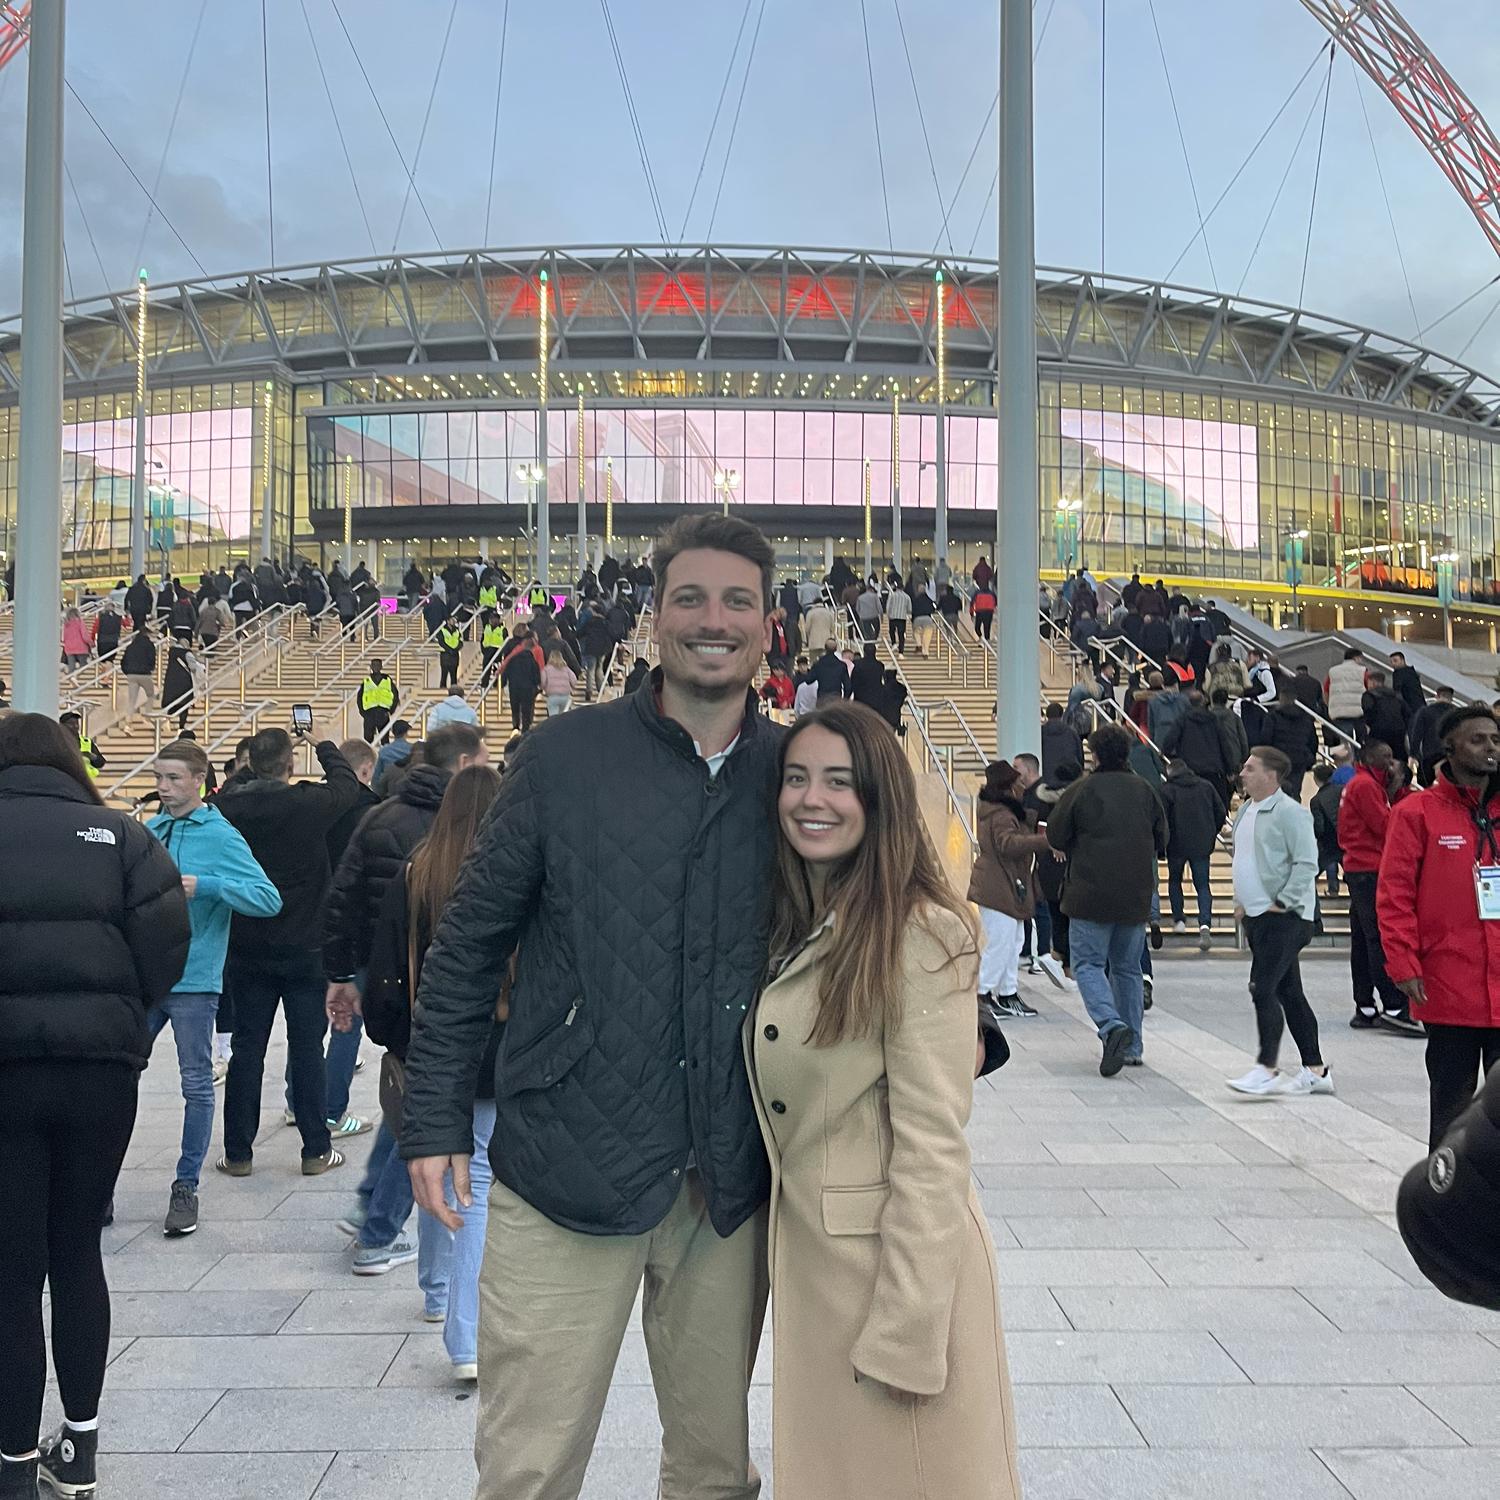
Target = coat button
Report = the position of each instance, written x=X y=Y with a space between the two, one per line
x=770 y=1033
x=777 y=1107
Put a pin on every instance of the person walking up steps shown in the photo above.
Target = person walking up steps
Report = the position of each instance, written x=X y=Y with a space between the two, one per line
x=1275 y=874
x=1003 y=888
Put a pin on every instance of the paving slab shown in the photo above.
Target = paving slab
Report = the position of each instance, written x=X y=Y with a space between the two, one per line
x=1421 y=1474
x=280 y=1362
x=1192 y=1474
x=1170 y=1357
x=212 y=1476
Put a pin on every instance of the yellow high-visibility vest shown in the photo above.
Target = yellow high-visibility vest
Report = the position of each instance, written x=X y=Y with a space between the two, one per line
x=494 y=635
x=380 y=694
x=449 y=638
x=489 y=597
x=538 y=595
x=86 y=749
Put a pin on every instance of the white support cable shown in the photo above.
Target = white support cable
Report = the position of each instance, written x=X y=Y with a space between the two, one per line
x=635 y=121
x=713 y=128
x=416 y=160
x=1312 y=207
x=87 y=228
x=885 y=196
x=489 y=196
x=973 y=152
x=1359 y=93
x=1480 y=327
x=1187 y=160
x=984 y=212
x=734 y=125
x=1459 y=306
x=338 y=126
x=380 y=110
x=265 y=71
x=916 y=93
x=161 y=165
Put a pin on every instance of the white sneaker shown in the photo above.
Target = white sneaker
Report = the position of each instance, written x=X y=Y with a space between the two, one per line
x=1307 y=1082
x=1053 y=970
x=463 y=1371
x=1179 y=926
x=1204 y=939
x=1259 y=1081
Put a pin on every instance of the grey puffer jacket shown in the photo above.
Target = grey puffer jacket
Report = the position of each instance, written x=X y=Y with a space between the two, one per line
x=637 y=890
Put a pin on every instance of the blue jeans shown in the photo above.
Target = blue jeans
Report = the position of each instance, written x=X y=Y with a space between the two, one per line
x=192 y=1016
x=1199 y=869
x=1116 y=999
x=448 y=1265
x=387 y=1192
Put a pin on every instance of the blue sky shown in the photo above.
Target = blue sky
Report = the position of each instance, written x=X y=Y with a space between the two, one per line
x=804 y=167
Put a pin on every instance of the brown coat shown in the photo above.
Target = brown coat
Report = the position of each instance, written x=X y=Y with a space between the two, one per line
x=1002 y=878
x=882 y=1267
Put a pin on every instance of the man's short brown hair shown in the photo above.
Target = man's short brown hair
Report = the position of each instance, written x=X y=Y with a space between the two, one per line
x=1273 y=760
x=446 y=746
x=715 y=533
x=357 y=752
x=190 y=754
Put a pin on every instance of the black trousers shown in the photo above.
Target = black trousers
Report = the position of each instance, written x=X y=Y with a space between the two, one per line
x=64 y=1127
x=1366 y=956
x=448 y=669
x=982 y=624
x=297 y=985
x=1276 y=938
x=522 y=708
x=375 y=720
x=898 y=633
x=1458 y=1058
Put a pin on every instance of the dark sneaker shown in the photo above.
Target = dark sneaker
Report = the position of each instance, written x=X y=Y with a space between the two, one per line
x=1156 y=937
x=1116 y=1045
x=1363 y=1020
x=182 y=1212
x=1147 y=999
x=1399 y=1025
x=18 y=1479
x=315 y=1166
x=1012 y=1008
x=67 y=1463
x=232 y=1168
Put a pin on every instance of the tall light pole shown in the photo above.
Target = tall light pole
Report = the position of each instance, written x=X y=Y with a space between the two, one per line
x=1444 y=562
x=532 y=475
x=1292 y=551
x=39 y=480
x=1018 y=670
x=268 y=487
x=609 y=505
x=583 y=517
x=896 y=484
x=869 y=528
x=543 y=521
x=138 y=489
x=726 y=482
x=940 y=521
x=348 y=514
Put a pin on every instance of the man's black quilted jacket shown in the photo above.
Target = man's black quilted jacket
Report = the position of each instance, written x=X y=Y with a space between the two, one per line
x=637 y=890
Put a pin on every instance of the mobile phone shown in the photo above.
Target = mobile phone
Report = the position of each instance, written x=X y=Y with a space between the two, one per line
x=302 y=718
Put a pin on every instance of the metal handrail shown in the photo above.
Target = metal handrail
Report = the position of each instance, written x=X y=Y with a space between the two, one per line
x=250 y=711
x=1328 y=726
x=962 y=807
x=258 y=639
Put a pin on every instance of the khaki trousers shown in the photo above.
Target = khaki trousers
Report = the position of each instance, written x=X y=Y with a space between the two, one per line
x=553 y=1309
x=139 y=692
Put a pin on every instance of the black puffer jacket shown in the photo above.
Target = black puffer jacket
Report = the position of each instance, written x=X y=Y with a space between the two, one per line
x=95 y=932
x=636 y=887
x=385 y=837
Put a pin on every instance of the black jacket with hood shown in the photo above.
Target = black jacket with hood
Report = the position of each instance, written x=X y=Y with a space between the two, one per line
x=1195 y=814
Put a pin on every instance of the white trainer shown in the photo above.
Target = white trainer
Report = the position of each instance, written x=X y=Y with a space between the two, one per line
x=1307 y=1082
x=1179 y=926
x=1260 y=1082
x=1053 y=970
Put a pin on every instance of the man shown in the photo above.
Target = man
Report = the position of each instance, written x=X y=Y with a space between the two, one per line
x=1426 y=735
x=138 y=600
x=1305 y=690
x=1166 y=709
x=1195 y=814
x=107 y=631
x=779 y=653
x=805 y=699
x=93 y=757
x=1112 y=828
x=1262 y=678
x=1275 y=868
x=1197 y=740
x=867 y=679
x=377 y=700
x=1324 y=808
x=829 y=674
x=1364 y=813
x=450 y=644
x=634 y=976
x=453 y=709
x=983 y=574
x=1060 y=742
x=1155 y=636
x=219 y=876
x=897 y=612
x=1437 y=914
x=1385 y=715
x=1344 y=688
x=1342 y=757
x=395 y=752
x=596 y=644
x=274 y=960
x=1292 y=731
x=373 y=858
x=1406 y=684
x=867 y=612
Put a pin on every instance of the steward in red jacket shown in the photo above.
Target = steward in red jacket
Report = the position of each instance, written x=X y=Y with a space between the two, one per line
x=1440 y=951
x=1366 y=805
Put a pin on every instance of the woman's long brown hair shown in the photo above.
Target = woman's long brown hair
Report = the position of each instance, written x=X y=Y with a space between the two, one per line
x=890 y=881
x=437 y=859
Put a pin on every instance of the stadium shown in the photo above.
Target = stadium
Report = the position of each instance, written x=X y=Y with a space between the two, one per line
x=1221 y=443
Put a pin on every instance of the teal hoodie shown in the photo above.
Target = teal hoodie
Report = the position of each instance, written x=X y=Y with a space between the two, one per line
x=207 y=846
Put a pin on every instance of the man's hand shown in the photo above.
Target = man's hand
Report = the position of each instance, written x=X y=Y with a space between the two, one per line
x=428 y=1174
x=190 y=886
x=1239 y=913
x=1413 y=989
x=342 y=1004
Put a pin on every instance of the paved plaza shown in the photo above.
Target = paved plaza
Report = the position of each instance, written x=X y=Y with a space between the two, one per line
x=1204 y=1296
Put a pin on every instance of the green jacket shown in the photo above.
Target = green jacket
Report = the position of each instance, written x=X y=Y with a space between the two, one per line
x=1286 y=853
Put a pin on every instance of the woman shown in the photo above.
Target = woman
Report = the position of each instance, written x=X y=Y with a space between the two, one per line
x=408 y=917
x=557 y=683
x=75 y=639
x=95 y=933
x=1001 y=885
x=983 y=609
x=890 y=1375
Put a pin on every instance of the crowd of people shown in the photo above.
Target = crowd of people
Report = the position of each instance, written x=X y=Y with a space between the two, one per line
x=677 y=995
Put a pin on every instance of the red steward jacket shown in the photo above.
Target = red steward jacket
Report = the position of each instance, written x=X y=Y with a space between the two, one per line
x=1364 y=811
x=1429 y=914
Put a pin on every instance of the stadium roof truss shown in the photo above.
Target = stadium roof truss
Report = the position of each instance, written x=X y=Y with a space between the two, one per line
x=728 y=306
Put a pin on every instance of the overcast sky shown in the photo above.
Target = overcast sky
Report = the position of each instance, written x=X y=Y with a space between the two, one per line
x=803 y=170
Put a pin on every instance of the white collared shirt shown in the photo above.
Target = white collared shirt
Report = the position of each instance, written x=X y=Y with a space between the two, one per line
x=715 y=763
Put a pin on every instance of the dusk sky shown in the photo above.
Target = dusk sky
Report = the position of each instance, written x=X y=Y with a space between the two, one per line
x=804 y=169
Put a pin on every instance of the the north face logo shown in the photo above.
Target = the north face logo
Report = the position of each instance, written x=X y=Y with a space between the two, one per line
x=96 y=835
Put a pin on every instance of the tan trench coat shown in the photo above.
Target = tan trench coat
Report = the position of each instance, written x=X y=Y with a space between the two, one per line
x=882 y=1267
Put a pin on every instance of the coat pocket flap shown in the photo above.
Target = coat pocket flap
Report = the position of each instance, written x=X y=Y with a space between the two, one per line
x=854 y=1210
x=540 y=1064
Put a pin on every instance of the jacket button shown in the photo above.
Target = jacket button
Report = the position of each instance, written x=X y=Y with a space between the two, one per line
x=777 y=1107
x=770 y=1033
